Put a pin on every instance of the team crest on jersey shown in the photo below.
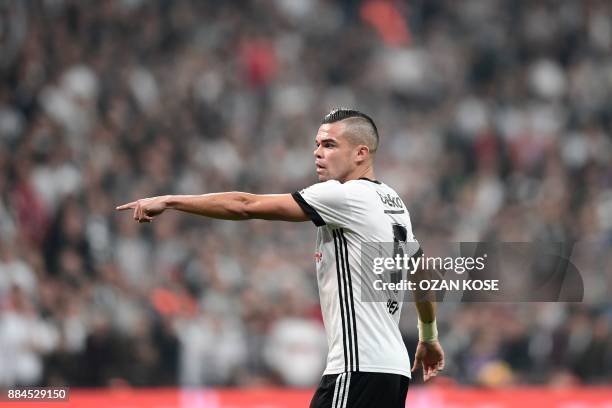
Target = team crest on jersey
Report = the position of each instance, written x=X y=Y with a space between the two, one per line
x=318 y=256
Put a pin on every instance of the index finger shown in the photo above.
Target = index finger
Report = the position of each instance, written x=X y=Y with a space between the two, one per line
x=126 y=206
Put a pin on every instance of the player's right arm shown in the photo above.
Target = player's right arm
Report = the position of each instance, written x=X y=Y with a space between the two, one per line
x=225 y=206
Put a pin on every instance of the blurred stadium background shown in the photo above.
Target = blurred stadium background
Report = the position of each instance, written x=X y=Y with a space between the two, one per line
x=496 y=123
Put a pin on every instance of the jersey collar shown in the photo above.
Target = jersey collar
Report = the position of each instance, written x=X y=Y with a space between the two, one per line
x=371 y=181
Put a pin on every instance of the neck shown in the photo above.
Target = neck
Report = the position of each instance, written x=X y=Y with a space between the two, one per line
x=361 y=172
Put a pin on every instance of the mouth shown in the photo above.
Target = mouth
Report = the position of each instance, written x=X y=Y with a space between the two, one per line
x=319 y=166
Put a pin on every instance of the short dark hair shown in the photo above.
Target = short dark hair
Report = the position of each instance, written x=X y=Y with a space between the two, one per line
x=338 y=114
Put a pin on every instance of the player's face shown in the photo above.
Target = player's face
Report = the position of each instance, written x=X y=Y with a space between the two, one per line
x=333 y=153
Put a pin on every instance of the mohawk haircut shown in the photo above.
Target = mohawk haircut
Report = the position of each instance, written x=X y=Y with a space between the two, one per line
x=370 y=133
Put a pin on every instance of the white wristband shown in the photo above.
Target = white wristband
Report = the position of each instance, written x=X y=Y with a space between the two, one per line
x=428 y=332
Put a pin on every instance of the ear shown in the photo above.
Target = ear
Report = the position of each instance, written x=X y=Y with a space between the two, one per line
x=363 y=153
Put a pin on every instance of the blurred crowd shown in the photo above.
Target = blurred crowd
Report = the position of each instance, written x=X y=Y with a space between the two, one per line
x=496 y=124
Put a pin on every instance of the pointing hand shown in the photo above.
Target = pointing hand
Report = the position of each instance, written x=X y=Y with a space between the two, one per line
x=145 y=209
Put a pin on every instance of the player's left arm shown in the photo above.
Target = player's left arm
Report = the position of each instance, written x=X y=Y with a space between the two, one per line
x=225 y=206
x=429 y=354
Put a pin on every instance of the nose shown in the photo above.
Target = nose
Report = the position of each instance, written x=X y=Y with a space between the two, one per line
x=317 y=152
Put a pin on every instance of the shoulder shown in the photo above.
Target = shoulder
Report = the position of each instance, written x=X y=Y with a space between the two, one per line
x=328 y=186
x=325 y=192
x=348 y=188
x=361 y=186
x=358 y=184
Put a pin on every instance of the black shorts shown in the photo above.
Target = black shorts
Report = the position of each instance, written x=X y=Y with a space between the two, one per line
x=361 y=390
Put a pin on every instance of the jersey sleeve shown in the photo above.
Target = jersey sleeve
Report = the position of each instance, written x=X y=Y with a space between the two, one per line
x=325 y=203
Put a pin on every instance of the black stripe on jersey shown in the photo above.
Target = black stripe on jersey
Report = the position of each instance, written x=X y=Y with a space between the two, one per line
x=394 y=211
x=347 y=290
x=350 y=283
x=308 y=209
x=346 y=365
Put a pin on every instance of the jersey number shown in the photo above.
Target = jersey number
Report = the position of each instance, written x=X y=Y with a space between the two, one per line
x=400 y=235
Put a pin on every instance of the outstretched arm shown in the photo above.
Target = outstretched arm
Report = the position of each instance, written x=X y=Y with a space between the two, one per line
x=225 y=206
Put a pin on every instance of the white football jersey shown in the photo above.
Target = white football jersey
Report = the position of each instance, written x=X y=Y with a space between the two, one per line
x=362 y=336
